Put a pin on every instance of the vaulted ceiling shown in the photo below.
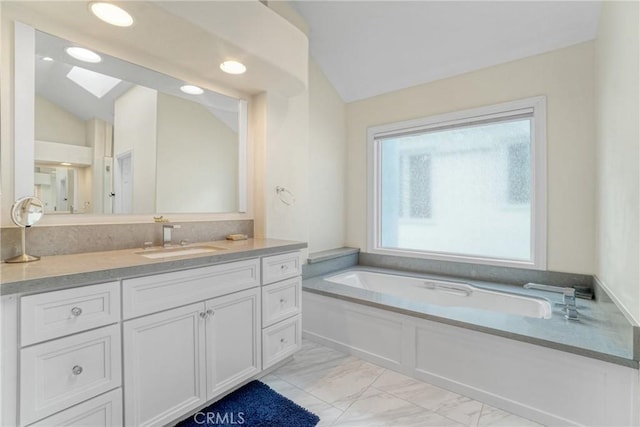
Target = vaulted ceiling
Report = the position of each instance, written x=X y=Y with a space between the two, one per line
x=367 y=48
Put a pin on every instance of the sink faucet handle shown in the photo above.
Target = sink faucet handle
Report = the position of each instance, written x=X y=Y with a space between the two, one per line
x=147 y=245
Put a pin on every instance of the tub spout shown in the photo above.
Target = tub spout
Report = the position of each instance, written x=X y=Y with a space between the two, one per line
x=568 y=297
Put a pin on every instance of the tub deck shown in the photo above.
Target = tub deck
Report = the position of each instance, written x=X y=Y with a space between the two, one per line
x=601 y=333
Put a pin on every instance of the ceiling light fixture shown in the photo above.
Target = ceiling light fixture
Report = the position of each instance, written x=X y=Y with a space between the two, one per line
x=233 y=67
x=192 y=90
x=82 y=54
x=112 y=14
x=47 y=58
x=65 y=164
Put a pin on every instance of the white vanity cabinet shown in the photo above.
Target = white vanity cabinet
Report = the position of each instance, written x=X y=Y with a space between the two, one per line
x=145 y=351
x=178 y=359
x=281 y=307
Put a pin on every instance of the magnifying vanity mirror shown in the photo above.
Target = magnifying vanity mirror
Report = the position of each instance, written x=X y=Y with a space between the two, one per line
x=112 y=137
x=25 y=212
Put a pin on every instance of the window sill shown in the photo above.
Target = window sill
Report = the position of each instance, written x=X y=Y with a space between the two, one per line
x=526 y=264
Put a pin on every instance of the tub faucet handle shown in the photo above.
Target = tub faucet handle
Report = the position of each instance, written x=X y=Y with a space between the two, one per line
x=568 y=297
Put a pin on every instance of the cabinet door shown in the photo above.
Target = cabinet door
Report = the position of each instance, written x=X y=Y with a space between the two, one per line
x=233 y=340
x=164 y=365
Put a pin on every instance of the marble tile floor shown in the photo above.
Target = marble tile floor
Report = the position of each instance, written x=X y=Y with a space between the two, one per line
x=346 y=391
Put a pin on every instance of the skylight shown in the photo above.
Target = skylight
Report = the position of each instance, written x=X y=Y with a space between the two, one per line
x=95 y=83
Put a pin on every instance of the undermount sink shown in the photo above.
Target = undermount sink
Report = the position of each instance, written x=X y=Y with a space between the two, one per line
x=178 y=251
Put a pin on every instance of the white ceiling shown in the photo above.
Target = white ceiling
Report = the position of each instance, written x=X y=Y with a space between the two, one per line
x=367 y=48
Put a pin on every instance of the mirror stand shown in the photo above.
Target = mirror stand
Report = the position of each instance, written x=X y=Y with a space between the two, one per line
x=25 y=212
x=23 y=257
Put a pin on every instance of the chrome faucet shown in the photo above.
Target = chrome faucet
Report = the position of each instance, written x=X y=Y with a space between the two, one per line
x=568 y=297
x=166 y=234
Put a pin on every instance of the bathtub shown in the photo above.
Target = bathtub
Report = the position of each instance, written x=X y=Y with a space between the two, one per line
x=493 y=343
x=445 y=293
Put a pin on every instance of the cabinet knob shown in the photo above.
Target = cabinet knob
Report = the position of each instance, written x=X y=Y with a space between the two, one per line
x=76 y=311
x=282 y=300
x=283 y=341
x=76 y=370
x=284 y=267
x=210 y=312
x=203 y=315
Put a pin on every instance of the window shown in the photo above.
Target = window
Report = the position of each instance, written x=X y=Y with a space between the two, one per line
x=465 y=186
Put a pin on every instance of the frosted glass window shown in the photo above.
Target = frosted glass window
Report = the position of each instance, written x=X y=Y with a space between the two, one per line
x=459 y=190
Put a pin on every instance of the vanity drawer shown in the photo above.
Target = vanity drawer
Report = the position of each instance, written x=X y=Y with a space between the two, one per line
x=58 y=374
x=281 y=300
x=102 y=411
x=280 y=341
x=280 y=267
x=150 y=294
x=55 y=314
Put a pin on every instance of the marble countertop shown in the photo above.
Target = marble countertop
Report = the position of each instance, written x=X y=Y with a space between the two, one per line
x=65 y=271
x=601 y=333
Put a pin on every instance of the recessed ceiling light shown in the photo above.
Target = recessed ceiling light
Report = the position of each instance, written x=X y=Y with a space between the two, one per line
x=112 y=14
x=192 y=90
x=233 y=67
x=65 y=164
x=82 y=54
x=47 y=58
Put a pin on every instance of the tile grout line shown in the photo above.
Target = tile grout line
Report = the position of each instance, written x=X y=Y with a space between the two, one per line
x=361 y=393
x=475 y=424
x=308 y=392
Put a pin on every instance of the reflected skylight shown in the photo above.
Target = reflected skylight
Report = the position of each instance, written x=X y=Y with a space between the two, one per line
x=95 y=83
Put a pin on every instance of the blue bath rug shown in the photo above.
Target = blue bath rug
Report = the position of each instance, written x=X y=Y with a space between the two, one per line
x=254 y=405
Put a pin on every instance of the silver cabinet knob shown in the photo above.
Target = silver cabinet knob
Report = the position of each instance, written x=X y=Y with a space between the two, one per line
x=282 y=300
x=76 y=311
x=284 y=267
x=76 y=370
x=203 y=315
x=210 y=312
x=283 y=341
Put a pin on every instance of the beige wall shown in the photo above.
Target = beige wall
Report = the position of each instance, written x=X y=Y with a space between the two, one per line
x=197 y=159
x=565 y=76
x=134 y=130
x=618 y=154
x=327 y=163
x=285 y=157
x=55 y=124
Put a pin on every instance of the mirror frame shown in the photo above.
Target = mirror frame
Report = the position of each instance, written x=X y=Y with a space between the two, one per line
x=24 y=143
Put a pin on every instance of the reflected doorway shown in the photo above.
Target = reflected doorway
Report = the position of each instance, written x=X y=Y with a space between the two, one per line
x=124 y=183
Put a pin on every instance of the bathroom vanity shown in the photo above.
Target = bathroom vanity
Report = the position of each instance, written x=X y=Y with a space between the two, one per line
x=116 y=337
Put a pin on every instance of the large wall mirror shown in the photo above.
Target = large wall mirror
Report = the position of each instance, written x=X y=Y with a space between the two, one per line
x=114 y=137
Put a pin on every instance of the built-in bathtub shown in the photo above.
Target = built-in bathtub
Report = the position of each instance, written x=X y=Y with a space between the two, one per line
x=504 y=345
x=448 y=293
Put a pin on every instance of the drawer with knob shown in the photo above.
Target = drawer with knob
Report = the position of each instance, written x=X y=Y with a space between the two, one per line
x=281 y=300
x=63 y=372
x=102 y=411
x=280 y=267
x=280 y=341
x=55 y=314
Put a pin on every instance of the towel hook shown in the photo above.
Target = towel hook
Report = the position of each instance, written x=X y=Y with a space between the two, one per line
x=285 y=196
